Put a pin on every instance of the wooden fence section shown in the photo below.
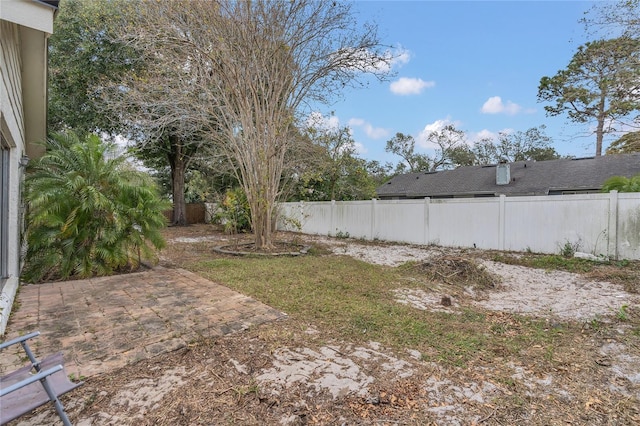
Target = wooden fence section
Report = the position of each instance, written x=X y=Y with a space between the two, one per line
x=195 y=213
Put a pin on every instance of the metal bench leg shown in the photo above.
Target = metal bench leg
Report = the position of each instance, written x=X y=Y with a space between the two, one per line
x=56 y=402
x=32 y=357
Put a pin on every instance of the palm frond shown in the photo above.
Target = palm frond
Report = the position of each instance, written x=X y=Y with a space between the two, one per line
x=88 y=214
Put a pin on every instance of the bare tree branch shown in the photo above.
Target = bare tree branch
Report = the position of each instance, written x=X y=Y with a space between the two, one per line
x=250 y=69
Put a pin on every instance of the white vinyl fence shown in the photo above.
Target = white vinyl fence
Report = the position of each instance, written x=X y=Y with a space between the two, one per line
x=600 y=224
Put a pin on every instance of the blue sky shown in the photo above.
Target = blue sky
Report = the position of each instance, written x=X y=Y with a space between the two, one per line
x=474 y=64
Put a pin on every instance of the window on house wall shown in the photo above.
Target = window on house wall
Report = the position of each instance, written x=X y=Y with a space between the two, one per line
x=4 y=210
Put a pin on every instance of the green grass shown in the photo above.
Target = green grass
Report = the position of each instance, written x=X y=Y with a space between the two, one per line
x=352 y=300
x=550 y=262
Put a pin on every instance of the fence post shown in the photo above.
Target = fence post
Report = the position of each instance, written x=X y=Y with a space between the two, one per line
x=612 y=231
x=427 y=205
x=373 y=218
x=501 y=222
x=331 y=221
x=302 y=220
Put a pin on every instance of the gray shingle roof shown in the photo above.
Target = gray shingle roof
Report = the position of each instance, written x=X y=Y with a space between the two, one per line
x=527 y=178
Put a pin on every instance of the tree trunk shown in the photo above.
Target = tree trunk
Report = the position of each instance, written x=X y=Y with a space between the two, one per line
x=262 y=225
x=261 y=206
x=599 y=138
x=178 y=168
x=332 y=189
x=600 y=128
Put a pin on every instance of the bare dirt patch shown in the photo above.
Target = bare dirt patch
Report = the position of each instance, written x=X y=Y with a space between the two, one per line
x=516 y=289
x=293 y=373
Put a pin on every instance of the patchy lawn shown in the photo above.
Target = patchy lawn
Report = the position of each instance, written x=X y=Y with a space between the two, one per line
x=392 y=334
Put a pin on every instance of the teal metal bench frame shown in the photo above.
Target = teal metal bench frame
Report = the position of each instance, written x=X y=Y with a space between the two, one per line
x=33 y=385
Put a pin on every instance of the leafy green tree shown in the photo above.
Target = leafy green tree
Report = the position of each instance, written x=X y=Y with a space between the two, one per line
x=99 y=82
x=622 y=184
x=531 y=145
x=378 y=173
x=450 y=147
x=599 y=85
x=404 y=146
x=630 y=142
x=173 y=157
x=485 y=151
x=83 y=58
x=89 y=213
x=332 y=170
x=461 y=156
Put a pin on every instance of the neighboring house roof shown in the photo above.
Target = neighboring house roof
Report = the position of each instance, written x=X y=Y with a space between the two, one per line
x=526 y=178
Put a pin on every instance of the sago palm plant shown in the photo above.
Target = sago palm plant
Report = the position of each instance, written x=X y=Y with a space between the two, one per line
x=88 y=214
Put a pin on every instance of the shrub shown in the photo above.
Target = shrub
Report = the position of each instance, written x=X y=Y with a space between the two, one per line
x=622 y=184
x=234 y=212
x=88 y=214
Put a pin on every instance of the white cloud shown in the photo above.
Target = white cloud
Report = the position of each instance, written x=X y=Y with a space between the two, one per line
x=410 y=86
x=331 y=122
x=368 y=61
x=360 y=148
x=494 y=105
x=393 y=58
x=319 y=121
x=401 y=56
x=475 y=137
x=370 y=131
x=436 y=126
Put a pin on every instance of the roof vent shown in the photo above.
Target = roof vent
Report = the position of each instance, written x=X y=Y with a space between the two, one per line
x=503 y=173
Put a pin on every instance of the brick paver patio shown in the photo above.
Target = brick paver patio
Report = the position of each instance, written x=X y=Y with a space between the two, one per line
x=105 y=323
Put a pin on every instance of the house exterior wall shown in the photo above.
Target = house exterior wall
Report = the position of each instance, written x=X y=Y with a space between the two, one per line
x=34 y=88
x=24 y=28
x=28 y=14
x=600 y=224
x=11 y=84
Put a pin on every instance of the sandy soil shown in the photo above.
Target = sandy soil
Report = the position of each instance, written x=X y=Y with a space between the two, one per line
x=261 y=377
x=523 y=290
x=551 y=294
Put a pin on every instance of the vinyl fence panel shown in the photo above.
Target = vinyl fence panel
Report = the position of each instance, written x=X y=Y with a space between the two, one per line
x=546 y=224
x=628 y=226
x=600 y=224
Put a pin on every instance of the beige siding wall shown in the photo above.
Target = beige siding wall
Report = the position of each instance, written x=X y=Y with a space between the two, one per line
x=24 y=28
x=28 y=14
x=12 y=127
x=33 y=56
x=11 y=85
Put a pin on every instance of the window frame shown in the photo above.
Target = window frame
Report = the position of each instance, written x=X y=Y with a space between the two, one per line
x=5 y=182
